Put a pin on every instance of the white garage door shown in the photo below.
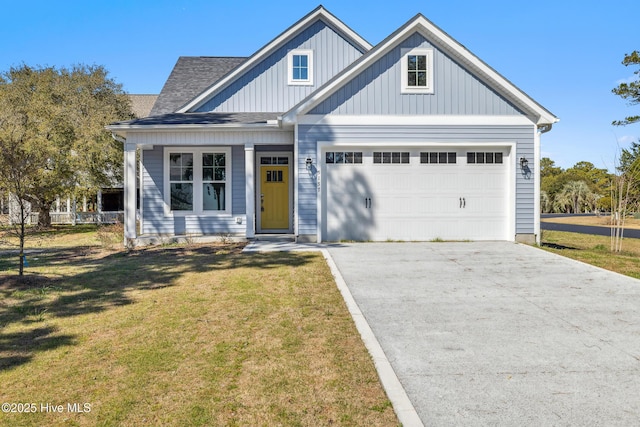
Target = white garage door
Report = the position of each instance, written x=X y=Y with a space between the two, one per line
x=421 y=194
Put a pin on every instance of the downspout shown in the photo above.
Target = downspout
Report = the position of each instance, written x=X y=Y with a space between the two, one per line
x=118 y=137
x=536 y=184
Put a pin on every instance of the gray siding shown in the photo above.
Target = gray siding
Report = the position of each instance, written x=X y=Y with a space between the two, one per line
x=523 y=136
x=377 y=90
x=154 y=219
x=265 y=87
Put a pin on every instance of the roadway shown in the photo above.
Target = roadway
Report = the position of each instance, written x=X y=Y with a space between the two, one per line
x=584 y=229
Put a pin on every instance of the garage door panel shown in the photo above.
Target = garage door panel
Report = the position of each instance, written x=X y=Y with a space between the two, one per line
x=415 y=201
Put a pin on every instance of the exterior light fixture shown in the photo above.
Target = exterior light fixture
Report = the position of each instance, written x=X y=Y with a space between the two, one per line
x=309 y=162
x=524 y=163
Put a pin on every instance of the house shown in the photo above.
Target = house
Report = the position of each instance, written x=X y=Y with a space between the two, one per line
x=322 y=136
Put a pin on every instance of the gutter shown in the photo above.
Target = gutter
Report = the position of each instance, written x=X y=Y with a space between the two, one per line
x=545 y=128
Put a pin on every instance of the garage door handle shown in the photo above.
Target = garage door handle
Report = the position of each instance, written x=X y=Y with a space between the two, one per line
x=464 y=203
x=367 y=203
x=460 y=202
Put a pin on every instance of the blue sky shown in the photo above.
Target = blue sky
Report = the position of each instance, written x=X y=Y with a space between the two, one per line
x=566 y=55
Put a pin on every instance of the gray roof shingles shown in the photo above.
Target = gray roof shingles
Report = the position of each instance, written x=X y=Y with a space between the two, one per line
x=202 y=119
x=191 y=76
x=142 y=104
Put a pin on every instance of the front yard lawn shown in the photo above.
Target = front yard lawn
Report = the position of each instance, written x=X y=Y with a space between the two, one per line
x=190 y=335
x=595 y=250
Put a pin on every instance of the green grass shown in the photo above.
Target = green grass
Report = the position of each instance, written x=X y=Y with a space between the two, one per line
x=595 y=250
x=191 y=335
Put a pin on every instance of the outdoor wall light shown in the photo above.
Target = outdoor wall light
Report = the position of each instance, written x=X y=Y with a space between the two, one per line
x=309 y=162
x=524 y=163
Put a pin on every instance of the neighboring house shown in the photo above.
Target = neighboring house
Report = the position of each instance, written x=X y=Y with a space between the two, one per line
x=111 y=199
x=108 y=203
x=322 y=136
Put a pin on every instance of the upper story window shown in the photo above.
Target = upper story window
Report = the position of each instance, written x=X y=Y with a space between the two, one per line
x=300 y=67
x=417 y=70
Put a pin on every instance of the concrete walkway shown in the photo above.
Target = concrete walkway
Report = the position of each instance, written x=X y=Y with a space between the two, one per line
x=495 y=333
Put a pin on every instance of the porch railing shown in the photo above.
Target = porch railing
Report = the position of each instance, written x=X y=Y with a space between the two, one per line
x=83 y=217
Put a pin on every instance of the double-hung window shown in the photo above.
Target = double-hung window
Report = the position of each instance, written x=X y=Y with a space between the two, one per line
x=417 y=70
x=197 y=181
x=300 y=67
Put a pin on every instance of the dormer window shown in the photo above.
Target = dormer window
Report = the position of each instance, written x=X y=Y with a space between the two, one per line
x=417 y=70
x=300 y=67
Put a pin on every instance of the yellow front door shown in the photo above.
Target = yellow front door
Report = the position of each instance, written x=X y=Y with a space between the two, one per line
x=274 y=197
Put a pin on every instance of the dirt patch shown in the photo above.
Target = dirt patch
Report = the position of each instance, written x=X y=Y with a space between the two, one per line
x=556 y=246
x=28 y=281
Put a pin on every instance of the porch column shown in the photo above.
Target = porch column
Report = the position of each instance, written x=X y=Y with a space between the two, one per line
x=129 y=192
x=99 y=206
x=73 y=210
x=250 y=190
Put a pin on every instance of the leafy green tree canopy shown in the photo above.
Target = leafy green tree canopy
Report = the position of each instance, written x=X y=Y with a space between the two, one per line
x=630 y=91
x=52 y=136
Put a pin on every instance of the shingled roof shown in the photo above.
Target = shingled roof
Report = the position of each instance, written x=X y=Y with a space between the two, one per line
x=191 y=76
x=141 y=105
x=201 y=119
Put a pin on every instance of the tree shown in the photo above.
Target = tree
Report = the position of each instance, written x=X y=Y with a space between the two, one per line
x=557 y=182
x=548 y=168
x=52 y=136
x=573 y=196
x=629 y=91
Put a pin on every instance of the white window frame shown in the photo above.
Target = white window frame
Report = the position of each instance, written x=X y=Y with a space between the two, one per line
x=428 y=53
x=198 y=181
x=299 y=82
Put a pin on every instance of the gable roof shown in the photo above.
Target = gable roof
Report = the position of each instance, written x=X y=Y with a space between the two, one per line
x=190 y=76
x=320 y=13
x=534 y=111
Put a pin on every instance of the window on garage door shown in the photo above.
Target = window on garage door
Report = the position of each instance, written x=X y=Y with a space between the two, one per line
x=483 y=157
x=433 y=157
x=391 y=157
x=347 y=157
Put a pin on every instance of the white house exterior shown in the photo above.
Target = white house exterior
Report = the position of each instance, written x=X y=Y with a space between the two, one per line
x=322 y=136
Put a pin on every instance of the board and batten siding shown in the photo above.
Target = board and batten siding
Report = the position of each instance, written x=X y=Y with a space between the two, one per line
x=156 y=222
x=521 y=135
x=377 y=90
x=266 y=88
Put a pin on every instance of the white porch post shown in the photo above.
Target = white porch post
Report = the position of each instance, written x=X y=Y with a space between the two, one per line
x=73 y=211
x=129 y=192
x=99 y=206
x=250 y=191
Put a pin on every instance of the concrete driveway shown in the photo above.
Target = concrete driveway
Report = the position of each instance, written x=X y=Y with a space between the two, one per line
x=496 y=333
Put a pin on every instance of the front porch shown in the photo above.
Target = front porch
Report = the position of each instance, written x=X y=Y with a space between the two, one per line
x=250 y=177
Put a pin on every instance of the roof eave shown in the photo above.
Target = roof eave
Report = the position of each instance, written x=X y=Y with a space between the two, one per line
x=122 y=130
